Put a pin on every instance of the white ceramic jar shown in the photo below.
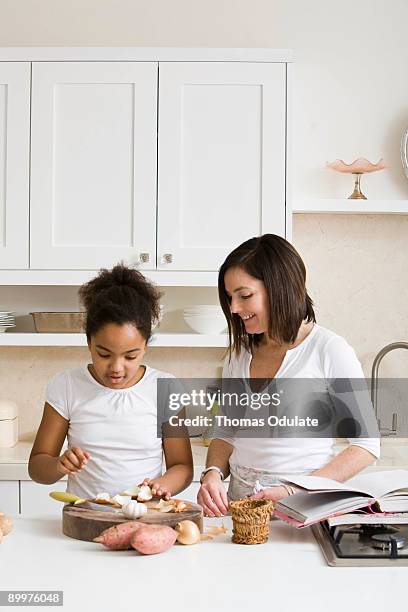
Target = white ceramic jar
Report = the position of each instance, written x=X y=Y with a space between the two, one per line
x=8 y=424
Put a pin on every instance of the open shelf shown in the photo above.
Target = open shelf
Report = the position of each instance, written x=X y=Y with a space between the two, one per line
x=345 y=206
x=167 y=278
x=184 y=340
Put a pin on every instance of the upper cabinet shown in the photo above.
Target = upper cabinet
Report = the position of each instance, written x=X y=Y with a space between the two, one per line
x=221 y=159
x=14 y=164
x=93 y=164
x=168 y=164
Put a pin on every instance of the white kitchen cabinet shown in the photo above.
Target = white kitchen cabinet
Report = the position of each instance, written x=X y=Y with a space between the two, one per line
x=14 y=164
x=35 y=499
x=166 y=158
x=93 y=164
x=222 y=152
x=9 y=496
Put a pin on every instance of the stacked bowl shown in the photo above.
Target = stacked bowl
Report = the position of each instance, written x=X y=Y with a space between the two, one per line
x=6 y=320
x=161 y=313
x=205 y=319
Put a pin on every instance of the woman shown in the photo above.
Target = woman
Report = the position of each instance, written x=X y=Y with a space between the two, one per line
x=273 y=333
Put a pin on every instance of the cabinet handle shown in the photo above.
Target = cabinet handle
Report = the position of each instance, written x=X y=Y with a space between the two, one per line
x=167 y=258
x=144 y=257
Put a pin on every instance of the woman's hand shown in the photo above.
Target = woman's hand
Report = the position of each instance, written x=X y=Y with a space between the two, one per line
x=158 y=487
x=212 y=495
x=275 y=494
x=72 y=461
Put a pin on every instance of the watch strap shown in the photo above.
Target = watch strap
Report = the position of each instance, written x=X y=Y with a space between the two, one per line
x=209 y=469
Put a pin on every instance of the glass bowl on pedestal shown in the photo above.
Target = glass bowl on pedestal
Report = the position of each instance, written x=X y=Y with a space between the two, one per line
x=357 y=167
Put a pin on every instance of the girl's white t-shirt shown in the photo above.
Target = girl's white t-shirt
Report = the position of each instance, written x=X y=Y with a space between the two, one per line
x=322 y=354
x=118 y=427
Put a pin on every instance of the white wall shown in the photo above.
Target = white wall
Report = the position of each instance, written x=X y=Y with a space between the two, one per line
x=350 y=94
x=350 y=85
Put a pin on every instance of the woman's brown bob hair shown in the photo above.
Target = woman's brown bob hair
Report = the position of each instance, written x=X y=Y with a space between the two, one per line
x=275 y=262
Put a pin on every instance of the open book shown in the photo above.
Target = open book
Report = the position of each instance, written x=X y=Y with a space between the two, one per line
x=320 y=498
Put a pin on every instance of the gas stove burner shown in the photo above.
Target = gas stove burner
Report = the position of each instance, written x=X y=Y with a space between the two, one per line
x=364 y=532
x=363 y=544
x=370 y=530
x=385 y=541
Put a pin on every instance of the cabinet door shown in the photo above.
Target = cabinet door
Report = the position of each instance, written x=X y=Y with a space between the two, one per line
x=93 y=166
x=14 y=163
x=9 y=496
x=222 y=156
x=35 y=497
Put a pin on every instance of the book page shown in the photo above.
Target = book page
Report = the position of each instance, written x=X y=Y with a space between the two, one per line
x=375 y=484
x=358 y=518
x=316 y=484
x=307 y=508
x=378 y=484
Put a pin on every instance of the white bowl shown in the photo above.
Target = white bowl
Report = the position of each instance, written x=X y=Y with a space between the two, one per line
x=161 y=313
x=204 y=307
x=214 y=324
x=206 y=311
x=207 y=315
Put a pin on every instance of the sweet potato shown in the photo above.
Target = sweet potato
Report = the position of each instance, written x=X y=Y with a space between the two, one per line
x=118 y=537
x=153 y=539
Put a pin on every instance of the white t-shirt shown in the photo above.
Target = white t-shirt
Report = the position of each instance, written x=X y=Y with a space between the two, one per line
x=322 y=354
x=118 y=427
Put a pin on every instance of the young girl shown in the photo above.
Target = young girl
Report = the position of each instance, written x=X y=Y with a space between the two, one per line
x=108 y=409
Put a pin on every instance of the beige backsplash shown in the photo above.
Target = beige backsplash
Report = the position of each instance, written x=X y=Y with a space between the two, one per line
x=357 y=276
x=24 y=373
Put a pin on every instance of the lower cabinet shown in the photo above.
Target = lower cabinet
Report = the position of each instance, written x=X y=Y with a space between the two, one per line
x=9 y=496
x=35 y=499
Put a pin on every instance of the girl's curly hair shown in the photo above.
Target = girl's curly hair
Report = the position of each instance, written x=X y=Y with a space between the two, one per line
x=121 y=295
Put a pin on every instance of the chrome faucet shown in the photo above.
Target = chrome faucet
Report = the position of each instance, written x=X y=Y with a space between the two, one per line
x=374 y=386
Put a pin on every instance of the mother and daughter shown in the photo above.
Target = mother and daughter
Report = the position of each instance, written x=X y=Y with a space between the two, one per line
x=107 y=409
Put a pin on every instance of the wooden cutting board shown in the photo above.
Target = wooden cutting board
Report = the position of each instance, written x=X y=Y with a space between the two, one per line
x=84 y=523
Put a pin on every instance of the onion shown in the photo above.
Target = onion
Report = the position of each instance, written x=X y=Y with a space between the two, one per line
x=188 y=532
x=6 y=525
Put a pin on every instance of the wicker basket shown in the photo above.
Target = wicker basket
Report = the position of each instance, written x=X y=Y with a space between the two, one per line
x=250 y=519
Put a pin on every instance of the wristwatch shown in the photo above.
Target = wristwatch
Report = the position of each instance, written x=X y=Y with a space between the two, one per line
x=212 y=467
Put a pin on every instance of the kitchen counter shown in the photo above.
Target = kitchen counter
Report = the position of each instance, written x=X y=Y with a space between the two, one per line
x=287 y=573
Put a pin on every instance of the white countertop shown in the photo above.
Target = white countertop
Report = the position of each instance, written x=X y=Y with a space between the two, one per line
x=287 y=573
x=14 y=461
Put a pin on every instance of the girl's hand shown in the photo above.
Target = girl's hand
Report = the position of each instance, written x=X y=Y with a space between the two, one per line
x=158 y=487
x=72 y=461
x=212 y=495
x=273 y=493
